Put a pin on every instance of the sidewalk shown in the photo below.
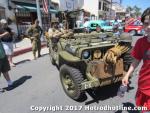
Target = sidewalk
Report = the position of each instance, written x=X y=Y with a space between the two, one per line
x=24 y=46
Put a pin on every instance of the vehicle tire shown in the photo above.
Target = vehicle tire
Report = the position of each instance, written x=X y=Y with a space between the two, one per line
x=133 y=32
x=71 y=80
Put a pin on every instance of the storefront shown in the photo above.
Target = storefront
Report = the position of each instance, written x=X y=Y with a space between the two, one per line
x=26 y=14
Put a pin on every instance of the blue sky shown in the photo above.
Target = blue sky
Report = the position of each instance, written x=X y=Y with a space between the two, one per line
x=143 y=4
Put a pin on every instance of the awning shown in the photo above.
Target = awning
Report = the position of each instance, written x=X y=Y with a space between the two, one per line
x=26 y=8
x=53 y=11
x=34 y=9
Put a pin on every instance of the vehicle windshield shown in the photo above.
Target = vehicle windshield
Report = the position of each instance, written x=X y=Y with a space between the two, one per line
x=94 y=25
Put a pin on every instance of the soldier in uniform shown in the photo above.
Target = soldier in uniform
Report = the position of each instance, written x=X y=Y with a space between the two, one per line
x=54 y=32
x=35 y=32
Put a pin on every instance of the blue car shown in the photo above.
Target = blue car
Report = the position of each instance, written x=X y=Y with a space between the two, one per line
x=93 y=24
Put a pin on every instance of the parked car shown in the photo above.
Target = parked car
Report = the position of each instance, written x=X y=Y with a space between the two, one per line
x=134 y=27
x=92 y=25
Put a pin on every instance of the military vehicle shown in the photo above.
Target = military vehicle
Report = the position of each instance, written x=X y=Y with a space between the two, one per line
x=90 y=60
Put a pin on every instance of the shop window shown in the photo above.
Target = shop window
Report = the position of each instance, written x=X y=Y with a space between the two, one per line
x=105 y=8
x=99 y=5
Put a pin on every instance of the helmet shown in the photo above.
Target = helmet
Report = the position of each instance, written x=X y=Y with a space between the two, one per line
x=126 y=36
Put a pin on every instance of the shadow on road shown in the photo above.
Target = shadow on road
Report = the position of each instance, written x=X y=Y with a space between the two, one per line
x=23 y=61
x=44 y=54
x=18 y=82
x=103 y=93
x=127 y=105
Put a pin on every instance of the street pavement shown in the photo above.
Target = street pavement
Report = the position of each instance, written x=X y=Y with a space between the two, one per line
x=38 y=85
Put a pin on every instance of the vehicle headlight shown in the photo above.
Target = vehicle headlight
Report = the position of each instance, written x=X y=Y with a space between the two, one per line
x=86 y=54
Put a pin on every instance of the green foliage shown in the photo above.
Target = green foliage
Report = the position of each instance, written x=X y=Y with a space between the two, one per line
x=134 y=11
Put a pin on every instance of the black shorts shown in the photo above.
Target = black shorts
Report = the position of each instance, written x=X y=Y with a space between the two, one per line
x=4 y=65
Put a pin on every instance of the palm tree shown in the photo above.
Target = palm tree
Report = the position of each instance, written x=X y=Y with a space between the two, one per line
x=137 y=11
x=129 y=9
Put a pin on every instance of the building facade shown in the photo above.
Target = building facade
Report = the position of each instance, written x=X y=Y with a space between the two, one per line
x=119 y=10
x=22 y=13
x=69 y=5
x=99 y=8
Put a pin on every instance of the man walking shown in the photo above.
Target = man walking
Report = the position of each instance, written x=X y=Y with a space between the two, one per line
x=35 y=32
x=4 y=64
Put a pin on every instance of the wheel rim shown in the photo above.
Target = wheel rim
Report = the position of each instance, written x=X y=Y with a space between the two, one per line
x=68 y=84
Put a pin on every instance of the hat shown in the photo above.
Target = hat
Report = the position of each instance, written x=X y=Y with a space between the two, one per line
x=126 y=36
x=3 y=21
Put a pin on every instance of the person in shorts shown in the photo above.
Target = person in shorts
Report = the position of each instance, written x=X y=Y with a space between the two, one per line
x=7 y=41
x=4 y=64
x=141 y=52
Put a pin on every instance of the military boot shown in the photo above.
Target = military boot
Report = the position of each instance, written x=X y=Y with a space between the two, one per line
x=39 y=55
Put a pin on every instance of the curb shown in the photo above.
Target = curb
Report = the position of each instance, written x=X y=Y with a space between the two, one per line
x=25 y=50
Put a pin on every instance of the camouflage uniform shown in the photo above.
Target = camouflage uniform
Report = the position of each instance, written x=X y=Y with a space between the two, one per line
x=35 y=33
x=54 y=36
x=54 y=32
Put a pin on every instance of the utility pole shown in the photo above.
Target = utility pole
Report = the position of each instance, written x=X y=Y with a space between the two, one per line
x=39 y=16
x=49 y=14
x=110 y=8
x=120 y=2
x=73 y=4
x=39 y=12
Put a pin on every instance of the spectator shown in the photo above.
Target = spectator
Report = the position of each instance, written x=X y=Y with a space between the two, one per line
x=116 y=24
x=7 y=41
x=4 y=64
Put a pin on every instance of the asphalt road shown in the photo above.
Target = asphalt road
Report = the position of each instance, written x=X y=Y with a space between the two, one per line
x=38 y=88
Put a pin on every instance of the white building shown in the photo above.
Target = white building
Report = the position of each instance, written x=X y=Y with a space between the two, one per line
x=120 y=11
x=69 y=5
x=97 y=8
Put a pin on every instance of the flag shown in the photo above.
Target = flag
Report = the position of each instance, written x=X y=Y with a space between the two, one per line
x=45 y=6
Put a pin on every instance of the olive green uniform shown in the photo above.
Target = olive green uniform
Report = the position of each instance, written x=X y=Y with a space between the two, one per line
x=35 y=33
x=53 y=36
x=54 y=33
